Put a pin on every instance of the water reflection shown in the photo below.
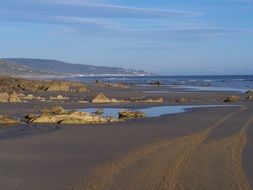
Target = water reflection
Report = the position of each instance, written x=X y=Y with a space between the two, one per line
x=150 y=112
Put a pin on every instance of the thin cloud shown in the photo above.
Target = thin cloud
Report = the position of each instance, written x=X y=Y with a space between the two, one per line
x=244 y=1
x=122 y=10
x=188 y=30
x=82 y=20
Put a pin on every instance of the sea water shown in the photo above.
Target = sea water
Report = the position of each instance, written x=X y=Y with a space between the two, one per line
x=239 y=83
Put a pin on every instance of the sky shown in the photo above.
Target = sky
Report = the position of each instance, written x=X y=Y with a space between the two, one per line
x=168 y=37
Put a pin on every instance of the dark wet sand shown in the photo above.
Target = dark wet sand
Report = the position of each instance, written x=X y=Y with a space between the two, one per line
x=207 y=148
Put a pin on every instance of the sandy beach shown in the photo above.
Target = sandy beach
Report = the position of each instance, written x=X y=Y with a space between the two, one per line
x=203 y=148
x=126 y=95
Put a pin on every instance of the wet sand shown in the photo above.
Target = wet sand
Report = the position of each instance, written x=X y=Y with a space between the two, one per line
x=188 y=162
x=205 y=148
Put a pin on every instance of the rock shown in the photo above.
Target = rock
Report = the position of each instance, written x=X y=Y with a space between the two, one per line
x=82 y=101
x=57 y=86
x=4 y=97
x=101 y=98
x=82 y=89
x=30 y=116
x=111 y=119
x=159 y=100
x=232 y=98
x=137 y=98
x=40 y=98
x=53 y=110
x=8 y=84
x=29 y=97
x=182 y=100
x=155 y=83
x=61 y=86
x=114 y=100
x=7 y=120
x=59 y=97
x=63 y=117
x=131 y=114
x=14 y=98
x=47 y=118
x=110 y=85
x=21 y=95
x=83 y=118
x=250 y=98
x=249 y=92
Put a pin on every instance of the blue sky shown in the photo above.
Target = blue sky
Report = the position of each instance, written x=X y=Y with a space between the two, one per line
x=177 y=37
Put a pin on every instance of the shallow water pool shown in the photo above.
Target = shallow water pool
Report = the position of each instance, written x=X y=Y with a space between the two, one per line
x=150 y=112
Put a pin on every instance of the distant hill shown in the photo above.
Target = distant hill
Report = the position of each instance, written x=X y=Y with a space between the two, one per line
x=55 y=67
x=12 y=69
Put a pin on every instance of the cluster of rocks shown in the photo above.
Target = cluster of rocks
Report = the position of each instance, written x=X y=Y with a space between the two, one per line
x=59 y=97
x=8 y=84
x=155 y=83
x=110 y=85
x=6 y=120
x=61 y=116
x=82 y=101
x=182 y=100
x=101 y=98
x=250 y=98
x=236 y=98
x=58 y=115
x=159 y=100
x=233 y=98
x=250 y=95
x=14 y=97
x=127 y=114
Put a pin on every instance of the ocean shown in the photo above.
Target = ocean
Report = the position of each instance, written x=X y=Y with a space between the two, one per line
x=237 y=82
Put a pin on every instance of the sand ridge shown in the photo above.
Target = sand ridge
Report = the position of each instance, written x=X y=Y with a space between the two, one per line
x=182 y=163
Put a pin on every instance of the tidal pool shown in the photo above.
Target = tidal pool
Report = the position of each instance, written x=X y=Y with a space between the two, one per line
x=150 y=112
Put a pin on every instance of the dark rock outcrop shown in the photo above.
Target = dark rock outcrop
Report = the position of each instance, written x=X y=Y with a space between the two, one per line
x=110 y=85
x=250 y=98
x=155 y=83
x=127 y=114
x=8 y=84
x=233 y=98
x=182 y=100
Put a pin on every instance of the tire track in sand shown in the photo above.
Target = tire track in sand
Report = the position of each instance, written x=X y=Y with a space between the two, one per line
x=222 y=157
x=162 y=165
x=214 y=165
